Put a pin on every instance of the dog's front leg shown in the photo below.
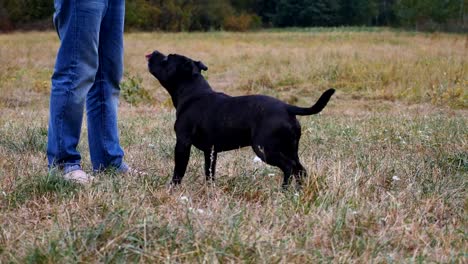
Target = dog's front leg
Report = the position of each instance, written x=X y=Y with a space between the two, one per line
x=210 y=164
x=182 y=155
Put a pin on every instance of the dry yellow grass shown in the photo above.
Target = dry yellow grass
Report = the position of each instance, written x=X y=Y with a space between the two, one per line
x=387 y=159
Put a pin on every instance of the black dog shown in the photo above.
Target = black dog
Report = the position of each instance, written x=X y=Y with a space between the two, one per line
x=215 y=122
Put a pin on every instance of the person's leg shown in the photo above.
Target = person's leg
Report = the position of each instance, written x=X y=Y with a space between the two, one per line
x=77 y=23
x=103 y=98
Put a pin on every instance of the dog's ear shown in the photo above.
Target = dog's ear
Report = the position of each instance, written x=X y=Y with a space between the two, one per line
x=201 y=66
x=191 y=68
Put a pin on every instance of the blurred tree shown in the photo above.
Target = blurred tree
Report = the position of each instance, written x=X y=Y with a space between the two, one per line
x=24 y=11
x=358 y=12
x=287 y=12
x=242 y=22
x=306 y=13
x=243 y=5
x=210 y=14
x=5 y=23
x=142 y=14
x=428 y=13
x=176 y=14
x=319 y=13
x=386 y=14
x=182 y=15
x=266 y=9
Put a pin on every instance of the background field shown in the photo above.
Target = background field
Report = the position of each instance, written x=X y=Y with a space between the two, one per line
x=387 y=159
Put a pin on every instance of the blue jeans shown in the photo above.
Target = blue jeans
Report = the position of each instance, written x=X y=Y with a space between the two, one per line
x=88 y=68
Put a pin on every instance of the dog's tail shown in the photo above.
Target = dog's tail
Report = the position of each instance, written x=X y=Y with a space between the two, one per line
x=316 y=108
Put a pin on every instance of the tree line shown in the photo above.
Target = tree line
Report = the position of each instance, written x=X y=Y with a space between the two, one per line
x=241 y=15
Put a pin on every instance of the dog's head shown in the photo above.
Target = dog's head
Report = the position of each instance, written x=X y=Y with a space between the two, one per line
x=173 y=69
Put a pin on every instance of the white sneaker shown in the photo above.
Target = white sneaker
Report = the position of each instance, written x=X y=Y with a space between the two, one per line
x=78 y=176
x=132 y=171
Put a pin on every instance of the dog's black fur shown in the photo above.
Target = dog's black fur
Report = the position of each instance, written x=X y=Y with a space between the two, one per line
x=215 y=122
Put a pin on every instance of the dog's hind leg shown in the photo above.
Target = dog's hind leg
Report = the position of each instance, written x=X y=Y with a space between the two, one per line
x=279 y=160
x=210 y=164
x=299 y=173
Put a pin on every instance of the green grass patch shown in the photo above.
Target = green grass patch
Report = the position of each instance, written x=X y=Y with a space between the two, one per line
x=51 y=185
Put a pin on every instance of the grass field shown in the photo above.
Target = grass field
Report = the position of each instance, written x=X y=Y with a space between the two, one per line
x=387 y=159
